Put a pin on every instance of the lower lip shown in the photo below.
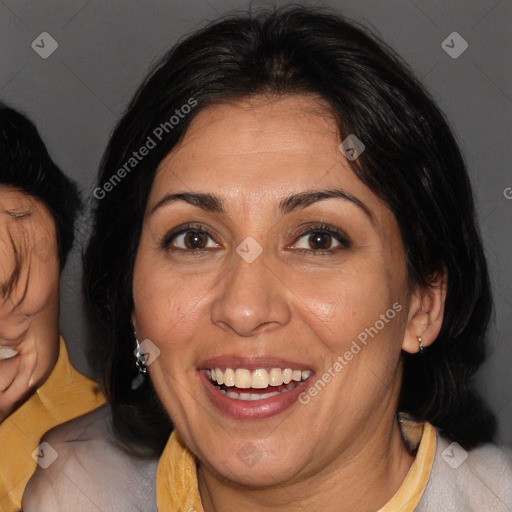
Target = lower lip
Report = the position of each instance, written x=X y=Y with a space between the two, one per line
x=255 y=409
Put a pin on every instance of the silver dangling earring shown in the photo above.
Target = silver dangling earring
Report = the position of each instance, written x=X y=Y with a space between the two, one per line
x=140 y=360
x=422 y=348
x=140 y=364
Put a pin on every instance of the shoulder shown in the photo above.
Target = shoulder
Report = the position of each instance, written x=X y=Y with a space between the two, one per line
x=82 y=468
x=475 y=480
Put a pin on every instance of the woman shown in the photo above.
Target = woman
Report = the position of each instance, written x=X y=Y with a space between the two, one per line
x=38 y=386
x=283 y=235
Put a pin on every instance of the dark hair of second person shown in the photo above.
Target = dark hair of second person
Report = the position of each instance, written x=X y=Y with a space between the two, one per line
x=26 y=164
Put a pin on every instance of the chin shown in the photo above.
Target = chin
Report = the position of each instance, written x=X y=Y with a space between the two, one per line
x=253 y=468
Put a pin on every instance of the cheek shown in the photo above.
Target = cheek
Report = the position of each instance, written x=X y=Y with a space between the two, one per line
x=343 y=305
x=47 y=355
x=6 y=261
x=44 y=283
x=166 y=304
x=8 y=370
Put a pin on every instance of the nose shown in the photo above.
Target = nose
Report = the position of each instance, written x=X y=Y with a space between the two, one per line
x=251 y=298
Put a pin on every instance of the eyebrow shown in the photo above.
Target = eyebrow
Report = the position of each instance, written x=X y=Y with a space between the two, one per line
x=212 y=203
x=17 y=213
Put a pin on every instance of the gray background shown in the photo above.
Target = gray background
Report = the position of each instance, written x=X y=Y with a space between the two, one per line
x=106 y=48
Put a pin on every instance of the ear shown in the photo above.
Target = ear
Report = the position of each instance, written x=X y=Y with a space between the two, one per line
x=426 y=313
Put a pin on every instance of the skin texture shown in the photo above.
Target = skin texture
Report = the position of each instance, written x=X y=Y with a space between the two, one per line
x=343 y=450
x=29 y=310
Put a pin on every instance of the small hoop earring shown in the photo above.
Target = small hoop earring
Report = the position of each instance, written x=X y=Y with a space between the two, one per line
x=422 y=348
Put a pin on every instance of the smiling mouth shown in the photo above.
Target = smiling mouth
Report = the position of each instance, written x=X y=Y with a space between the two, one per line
x=258 y=384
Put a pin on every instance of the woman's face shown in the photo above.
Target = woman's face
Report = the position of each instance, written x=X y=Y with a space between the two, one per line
x=29 y=293
x=260 y=280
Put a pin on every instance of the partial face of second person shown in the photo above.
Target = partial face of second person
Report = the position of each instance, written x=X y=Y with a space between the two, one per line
x=327 y=271
x=29 y=304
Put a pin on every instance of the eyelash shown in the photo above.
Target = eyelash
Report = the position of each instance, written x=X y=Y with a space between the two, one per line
x=335 y=233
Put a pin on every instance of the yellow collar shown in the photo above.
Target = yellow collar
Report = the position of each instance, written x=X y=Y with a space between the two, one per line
x=66 y=394
x=178 y=490
x=423 y=437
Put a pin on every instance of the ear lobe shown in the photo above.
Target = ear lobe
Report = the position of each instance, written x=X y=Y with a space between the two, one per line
x=426 y=314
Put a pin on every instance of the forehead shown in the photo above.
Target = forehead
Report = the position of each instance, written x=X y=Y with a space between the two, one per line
x=13 y=199
x=290 y=127
x=261 y=149
x=281 y=124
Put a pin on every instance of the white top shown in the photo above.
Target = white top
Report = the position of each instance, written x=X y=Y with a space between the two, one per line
x=92 y=474
x=482 y=482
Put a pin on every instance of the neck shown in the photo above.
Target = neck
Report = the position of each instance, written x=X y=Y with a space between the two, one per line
x=363 y=478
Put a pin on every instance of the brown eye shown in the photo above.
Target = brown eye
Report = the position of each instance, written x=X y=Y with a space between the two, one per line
x=322 y=240
x=195 y=240
x=189 y=239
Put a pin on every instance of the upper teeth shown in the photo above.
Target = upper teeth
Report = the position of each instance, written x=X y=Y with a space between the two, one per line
x=259 y=379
